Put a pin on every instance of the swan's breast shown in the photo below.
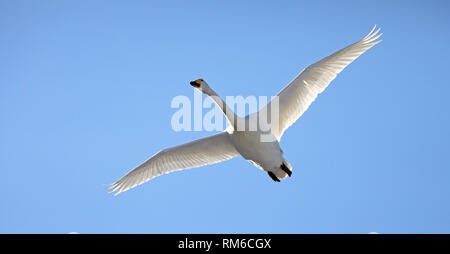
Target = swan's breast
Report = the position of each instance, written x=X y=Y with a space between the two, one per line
x=267 y=155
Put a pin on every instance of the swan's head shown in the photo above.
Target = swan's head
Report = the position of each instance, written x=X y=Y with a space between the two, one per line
x=201 y=85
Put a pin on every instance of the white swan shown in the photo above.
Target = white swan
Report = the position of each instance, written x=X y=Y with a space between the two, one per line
x=293 y=101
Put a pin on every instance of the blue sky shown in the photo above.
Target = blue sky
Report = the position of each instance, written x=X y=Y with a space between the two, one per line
x=85 y=96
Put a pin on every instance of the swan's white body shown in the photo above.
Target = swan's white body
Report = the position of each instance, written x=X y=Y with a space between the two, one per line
x=264 y=155
x=293 y=101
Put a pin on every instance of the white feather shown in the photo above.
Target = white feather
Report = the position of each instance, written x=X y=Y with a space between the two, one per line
x=205 y=151
x=298 y=95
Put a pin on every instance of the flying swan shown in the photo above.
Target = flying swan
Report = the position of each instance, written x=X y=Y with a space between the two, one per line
x=292 y=102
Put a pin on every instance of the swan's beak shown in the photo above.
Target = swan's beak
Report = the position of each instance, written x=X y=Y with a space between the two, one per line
x=196 y=83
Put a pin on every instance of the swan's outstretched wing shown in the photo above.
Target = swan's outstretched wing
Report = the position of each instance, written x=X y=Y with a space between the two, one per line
x=296 y=97
x=209 y=150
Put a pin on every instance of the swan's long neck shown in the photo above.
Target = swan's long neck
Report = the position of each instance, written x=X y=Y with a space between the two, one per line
x=229 y=113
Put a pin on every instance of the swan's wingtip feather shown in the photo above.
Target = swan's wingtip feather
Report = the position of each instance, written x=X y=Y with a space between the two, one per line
x=110 y=186
x=115 y=188
x=372 y=32
x=373 y=29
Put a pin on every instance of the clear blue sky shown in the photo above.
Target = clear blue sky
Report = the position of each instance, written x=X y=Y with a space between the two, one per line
x=85 y=96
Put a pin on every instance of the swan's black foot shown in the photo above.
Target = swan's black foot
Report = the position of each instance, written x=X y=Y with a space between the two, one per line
x=272 y=175
x=286 y=169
